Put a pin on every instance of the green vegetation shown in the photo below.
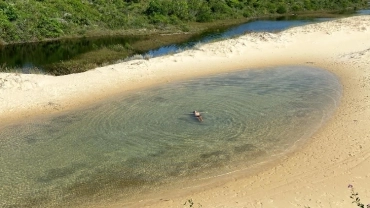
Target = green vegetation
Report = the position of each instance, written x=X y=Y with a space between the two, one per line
x=356 y=199
x=190 y=203
x=35 y=20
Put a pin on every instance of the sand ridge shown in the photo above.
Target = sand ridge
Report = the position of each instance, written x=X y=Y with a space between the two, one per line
x=316 y=175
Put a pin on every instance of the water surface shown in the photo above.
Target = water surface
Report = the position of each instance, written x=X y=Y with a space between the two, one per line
x=145 y=140
x=45 y=55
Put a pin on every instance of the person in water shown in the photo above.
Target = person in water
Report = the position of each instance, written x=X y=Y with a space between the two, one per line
x=198 y=115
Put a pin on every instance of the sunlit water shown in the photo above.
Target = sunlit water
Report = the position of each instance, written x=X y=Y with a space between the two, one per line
x=140 y=141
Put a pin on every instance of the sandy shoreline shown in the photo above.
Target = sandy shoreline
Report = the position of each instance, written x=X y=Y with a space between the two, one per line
x=315 y=176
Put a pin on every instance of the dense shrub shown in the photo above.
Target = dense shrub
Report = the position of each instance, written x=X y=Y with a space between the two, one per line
x=9 y=11
x=39 y=19
x=49 y=28
x=8 y=31
x=281 y=9
x=205 y=14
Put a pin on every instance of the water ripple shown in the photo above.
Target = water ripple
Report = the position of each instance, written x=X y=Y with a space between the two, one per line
x=148 y=138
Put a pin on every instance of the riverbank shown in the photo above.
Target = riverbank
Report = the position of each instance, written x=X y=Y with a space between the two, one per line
x=76 y=55
x=316 y=175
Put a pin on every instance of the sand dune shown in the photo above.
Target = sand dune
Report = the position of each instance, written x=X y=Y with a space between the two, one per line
x=316 y=175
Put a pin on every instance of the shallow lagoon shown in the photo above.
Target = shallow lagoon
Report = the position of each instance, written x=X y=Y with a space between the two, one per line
x=138 y=142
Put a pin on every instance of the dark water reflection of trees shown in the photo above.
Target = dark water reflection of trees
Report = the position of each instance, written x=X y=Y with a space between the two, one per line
x=77 y=55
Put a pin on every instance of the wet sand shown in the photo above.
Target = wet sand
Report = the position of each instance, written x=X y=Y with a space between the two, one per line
x=316 y=175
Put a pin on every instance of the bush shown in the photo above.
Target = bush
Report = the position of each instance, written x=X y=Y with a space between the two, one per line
x=180 y=9
x=205 y=14
x=247 y=14
x=159 y=19
x=296 y=8
x=234 y=4
x=281 y=9
x=307 y=5
x=271 y=8
x=219 y=7
x=49 y=28
x=156 y=7
x=9 y=11
x=8 y=32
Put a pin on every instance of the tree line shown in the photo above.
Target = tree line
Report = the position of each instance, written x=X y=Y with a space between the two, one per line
x=35 y=20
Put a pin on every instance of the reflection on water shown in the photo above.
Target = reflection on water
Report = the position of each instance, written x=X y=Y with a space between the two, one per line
x=43 y=55
x=48 y=55
x=29 y=55
x=137 y=142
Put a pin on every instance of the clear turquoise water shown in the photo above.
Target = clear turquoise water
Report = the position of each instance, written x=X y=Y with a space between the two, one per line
x=137 y=142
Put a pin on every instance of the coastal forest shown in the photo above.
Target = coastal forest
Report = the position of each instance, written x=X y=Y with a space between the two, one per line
x=35 y=20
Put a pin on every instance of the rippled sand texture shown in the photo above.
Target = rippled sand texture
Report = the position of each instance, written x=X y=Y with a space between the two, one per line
x=134 y=143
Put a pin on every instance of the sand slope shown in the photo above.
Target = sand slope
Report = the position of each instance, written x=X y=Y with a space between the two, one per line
x=315 y=176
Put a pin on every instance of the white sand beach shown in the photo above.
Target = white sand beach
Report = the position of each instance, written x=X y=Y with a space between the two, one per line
x=316 y=175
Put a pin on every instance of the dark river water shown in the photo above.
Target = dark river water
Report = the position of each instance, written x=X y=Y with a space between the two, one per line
x=42 y=55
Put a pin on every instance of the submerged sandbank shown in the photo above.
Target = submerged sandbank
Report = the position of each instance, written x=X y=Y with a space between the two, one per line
x=316 y=175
